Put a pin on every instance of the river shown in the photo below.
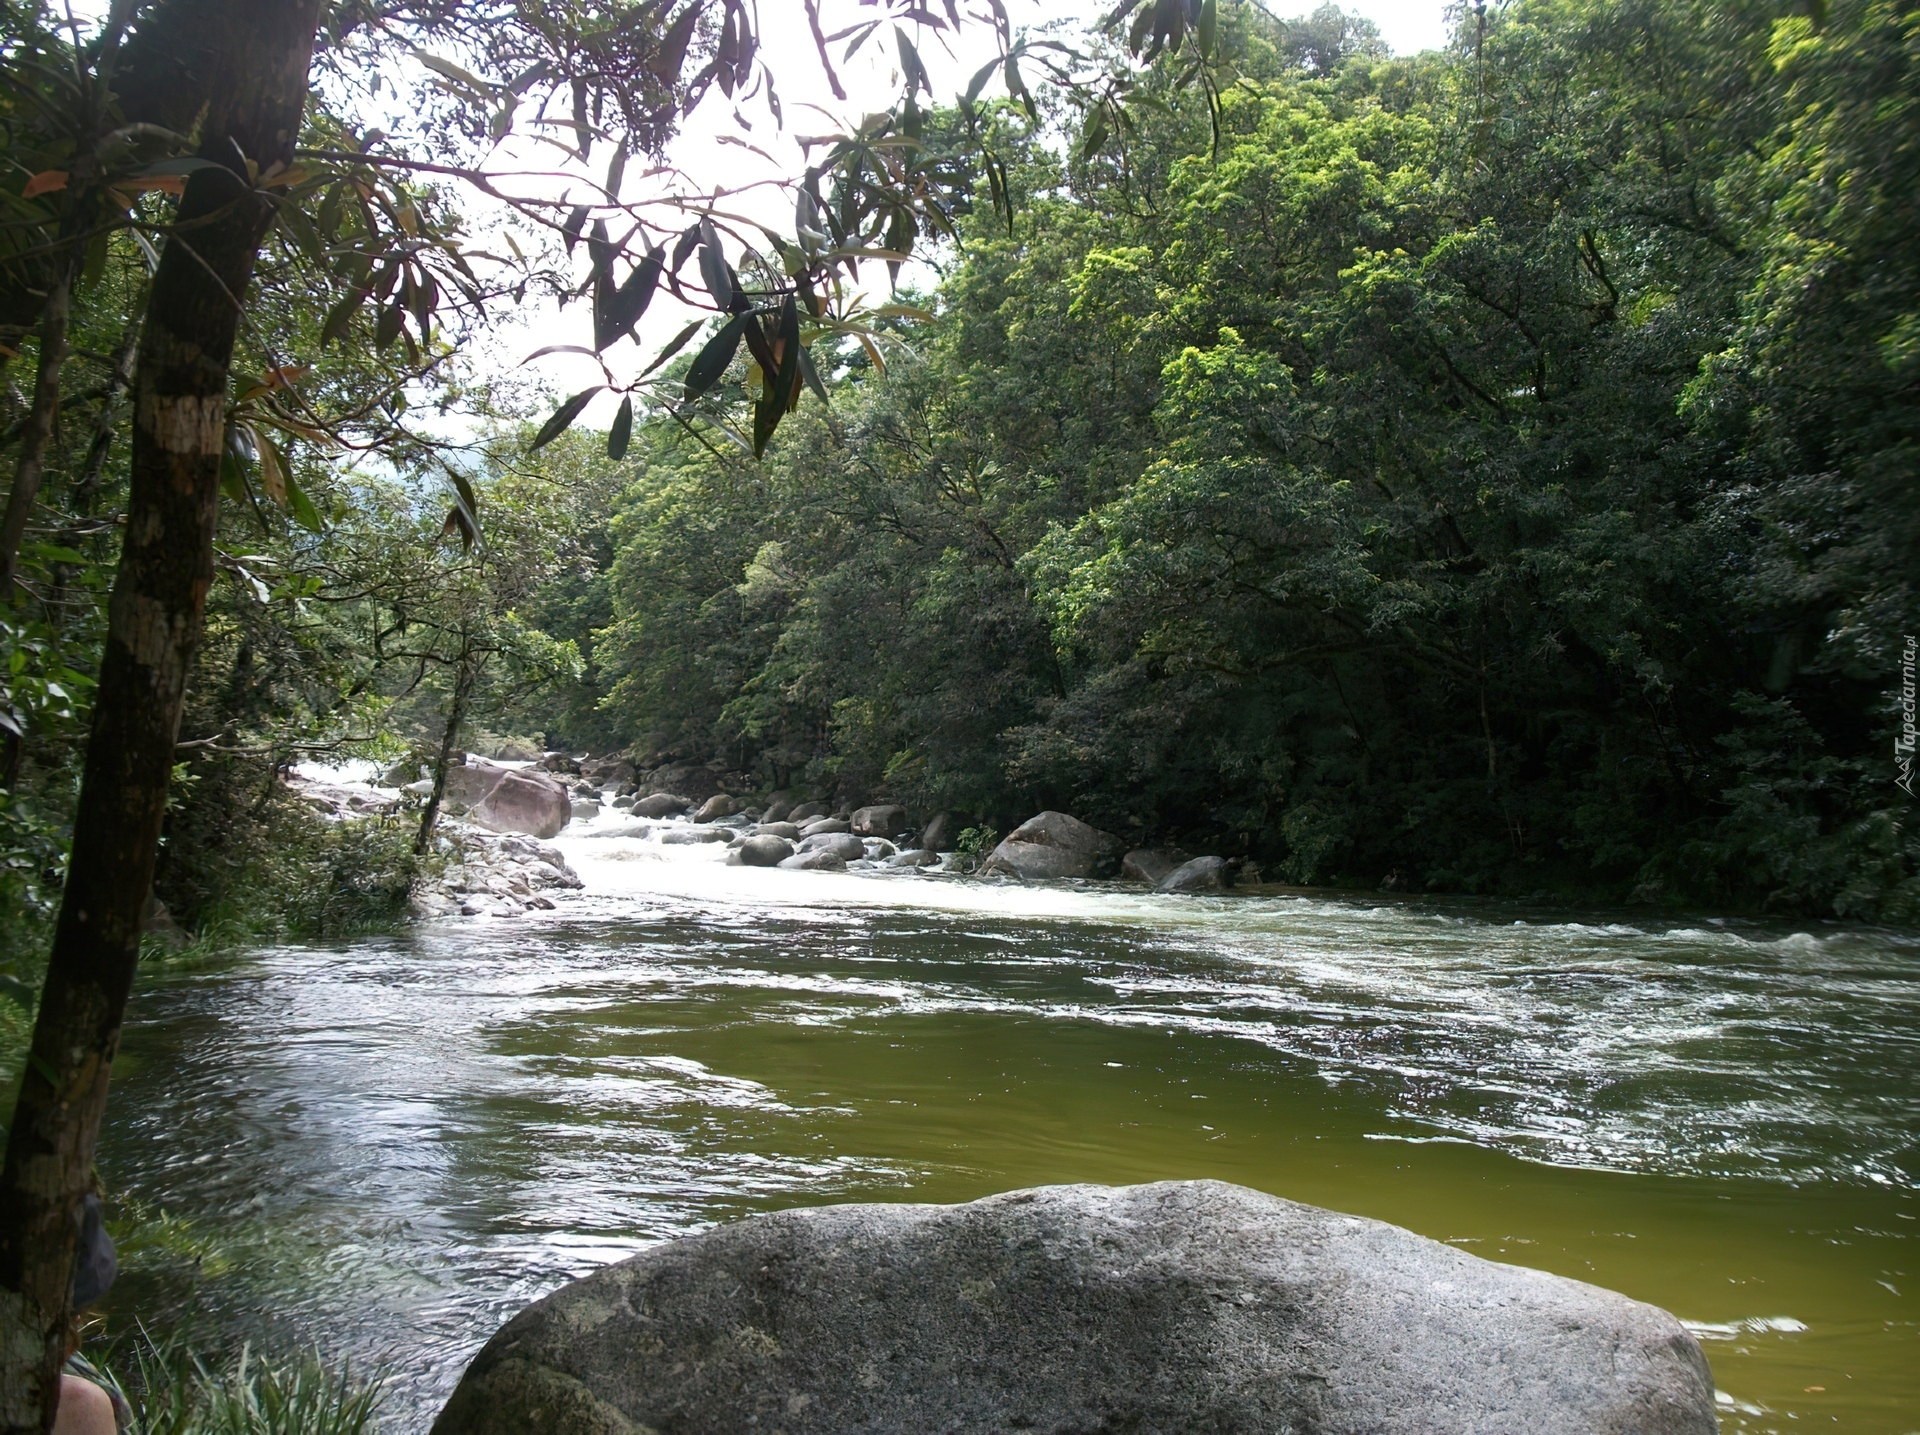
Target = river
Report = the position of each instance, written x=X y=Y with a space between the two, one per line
x=388 y=1146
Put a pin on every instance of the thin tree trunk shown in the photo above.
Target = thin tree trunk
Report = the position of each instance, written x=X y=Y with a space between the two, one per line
x=32 y=465
x=456 y=715
x=94 y=469
x=154 y=621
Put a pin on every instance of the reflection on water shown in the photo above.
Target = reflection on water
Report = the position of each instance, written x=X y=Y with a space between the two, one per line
x=395 y=1144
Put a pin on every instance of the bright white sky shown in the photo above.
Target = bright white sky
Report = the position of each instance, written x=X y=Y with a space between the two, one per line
x=706 y=154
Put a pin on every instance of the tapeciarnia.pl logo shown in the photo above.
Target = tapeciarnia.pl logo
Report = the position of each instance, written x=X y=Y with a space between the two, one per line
x=1903 y=744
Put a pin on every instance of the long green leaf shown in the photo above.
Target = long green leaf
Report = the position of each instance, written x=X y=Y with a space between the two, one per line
x=564 y=416
x=621 y=433
x=712 y=361
x=713 y=267
x=679 y=343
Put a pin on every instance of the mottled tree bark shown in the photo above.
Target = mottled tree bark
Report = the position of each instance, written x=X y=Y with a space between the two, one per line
x=256 y=91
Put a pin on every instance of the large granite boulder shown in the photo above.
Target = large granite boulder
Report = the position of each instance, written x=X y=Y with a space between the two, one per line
x=469 y=782
x=765 y=850
x=938 y=834
x=886 y=820
x=660 y=804
x=1052 y=844
x=720 y=805
x=843 y=845
x=1202 y=874
x=1181 y=1307
x=529 y=802
x=1150 y=864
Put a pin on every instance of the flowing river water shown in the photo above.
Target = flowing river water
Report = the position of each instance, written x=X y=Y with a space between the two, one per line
x=388 y=1146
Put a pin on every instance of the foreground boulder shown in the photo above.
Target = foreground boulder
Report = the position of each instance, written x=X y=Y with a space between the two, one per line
x=1202 y=874
x=1181 y=1307
x=529 y=802
x=1052 y=845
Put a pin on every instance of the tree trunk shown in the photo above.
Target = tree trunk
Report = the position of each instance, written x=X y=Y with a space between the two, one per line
x=255 y=98
x=456 y=715
x=32 y=465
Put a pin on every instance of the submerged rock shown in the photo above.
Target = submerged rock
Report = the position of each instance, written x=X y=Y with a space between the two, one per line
x=919 y=857
x=681 y=836
x=1202 y=874
x=1052 y=844
x=1183 y=1306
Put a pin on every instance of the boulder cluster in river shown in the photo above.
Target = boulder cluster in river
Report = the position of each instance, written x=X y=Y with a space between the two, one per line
x=502 y=812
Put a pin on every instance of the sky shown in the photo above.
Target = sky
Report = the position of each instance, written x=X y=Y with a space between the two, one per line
x=711 y=153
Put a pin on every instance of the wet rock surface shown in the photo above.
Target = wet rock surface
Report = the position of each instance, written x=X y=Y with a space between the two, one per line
x=1189 y=1306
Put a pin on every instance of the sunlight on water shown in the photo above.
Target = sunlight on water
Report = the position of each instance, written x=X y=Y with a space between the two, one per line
x=392 y=1145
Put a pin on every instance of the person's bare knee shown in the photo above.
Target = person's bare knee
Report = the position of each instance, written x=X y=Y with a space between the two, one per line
x=85 y=1409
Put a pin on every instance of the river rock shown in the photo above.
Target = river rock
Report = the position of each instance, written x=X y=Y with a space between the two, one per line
x=778 y=806
x=584 y=810
x=765 y=850
x=806 y=812
x=938 y=834
x=513 y=750
x=816 y=861
x=470 y=782
x=529 y=802
x=1150 y=864
x=1052 y=844
x=401 y=773
x=920 y=857
x=661 y=804
x=843 y=845
x=778 y=829
x=1182 y=1306
x=825 y=824
x=684 y=836
x=717 y=806
x=887 y=820
x=879 y=848
x=1202 y=874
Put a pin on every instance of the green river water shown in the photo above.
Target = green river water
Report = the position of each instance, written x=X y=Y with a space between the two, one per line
x=389 y=1146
